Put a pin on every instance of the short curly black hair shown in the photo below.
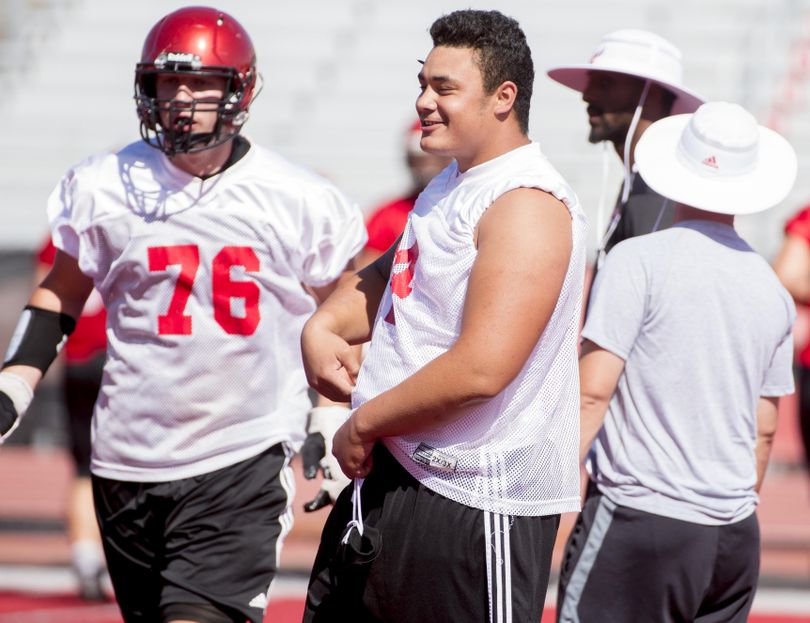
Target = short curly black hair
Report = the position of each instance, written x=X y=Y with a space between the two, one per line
x=502 y=52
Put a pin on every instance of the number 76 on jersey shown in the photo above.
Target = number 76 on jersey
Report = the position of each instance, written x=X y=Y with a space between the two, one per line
x=187 y=256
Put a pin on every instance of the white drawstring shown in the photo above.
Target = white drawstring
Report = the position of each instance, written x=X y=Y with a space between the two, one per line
x=664 y=204
x=627 y=186
x=600 y=252
x=601 y=207
x=628 y=142
x=357 y=511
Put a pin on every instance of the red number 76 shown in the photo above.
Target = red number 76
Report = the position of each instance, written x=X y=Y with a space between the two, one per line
x=187 y=256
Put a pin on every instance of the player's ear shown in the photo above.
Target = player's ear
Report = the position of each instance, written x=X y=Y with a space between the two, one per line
x=504 y=97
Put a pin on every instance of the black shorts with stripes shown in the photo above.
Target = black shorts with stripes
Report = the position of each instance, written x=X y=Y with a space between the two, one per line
x=436 y=559
x=623 y=565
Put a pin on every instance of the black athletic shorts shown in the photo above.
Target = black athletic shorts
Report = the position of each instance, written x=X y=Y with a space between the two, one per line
x=804 y=410
x=211 y=540
x=80 y=388
x=427 y=558
x=623 y=565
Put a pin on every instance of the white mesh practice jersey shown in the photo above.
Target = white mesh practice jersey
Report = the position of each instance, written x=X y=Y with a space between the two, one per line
x=202 y=281
x=516 y=453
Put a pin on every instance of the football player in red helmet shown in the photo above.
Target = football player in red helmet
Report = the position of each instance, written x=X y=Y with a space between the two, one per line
x=209 y=252
x=205 y=51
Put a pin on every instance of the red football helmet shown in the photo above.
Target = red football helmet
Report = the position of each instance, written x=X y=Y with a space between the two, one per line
x=199 y=41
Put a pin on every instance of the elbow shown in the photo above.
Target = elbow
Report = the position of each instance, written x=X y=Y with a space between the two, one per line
x=766 y=436
x=589 y=403
x=485 y=372
x=485 y=390
x=485 y=384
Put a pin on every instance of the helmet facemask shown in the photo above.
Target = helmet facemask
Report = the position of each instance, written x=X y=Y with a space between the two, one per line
x=172 y=139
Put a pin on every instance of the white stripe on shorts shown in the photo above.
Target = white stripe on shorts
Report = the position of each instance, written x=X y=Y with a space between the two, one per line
x=287 y=481
x=499 y=566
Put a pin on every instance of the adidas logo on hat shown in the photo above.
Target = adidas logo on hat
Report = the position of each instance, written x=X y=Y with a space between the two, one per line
x=711 y=161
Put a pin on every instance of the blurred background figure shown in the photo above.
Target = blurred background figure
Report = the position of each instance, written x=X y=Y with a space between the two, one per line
x=85 y=352
x=387 y=221
x=792 y=266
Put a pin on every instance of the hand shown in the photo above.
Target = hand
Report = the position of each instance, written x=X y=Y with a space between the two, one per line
x=351 y=450
x=9 y=418
x=316 y=453
x=330 y=363
x=15 y=396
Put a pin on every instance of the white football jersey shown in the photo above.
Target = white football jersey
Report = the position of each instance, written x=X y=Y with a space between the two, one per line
x=517 y=453
x=202 y=281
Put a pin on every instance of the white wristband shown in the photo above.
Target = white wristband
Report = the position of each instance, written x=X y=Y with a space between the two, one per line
x=18 y=389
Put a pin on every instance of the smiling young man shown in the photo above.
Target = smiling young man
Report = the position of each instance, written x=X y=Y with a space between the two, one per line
x=206 y=250
x=463 y=438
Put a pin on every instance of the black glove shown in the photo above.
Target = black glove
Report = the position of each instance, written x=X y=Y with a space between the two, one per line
x=316 y=453
x=15 y=396
x=8 y=415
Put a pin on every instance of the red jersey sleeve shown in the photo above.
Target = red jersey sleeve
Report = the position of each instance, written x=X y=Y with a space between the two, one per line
x=47 y=254
x=799 y=225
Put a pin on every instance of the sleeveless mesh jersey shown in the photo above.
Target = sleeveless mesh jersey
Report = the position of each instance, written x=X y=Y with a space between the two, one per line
x=516 y=453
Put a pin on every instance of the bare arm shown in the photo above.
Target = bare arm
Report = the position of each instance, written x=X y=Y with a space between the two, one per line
x=350 y=308
x=344 y=319
x=792 y=266
x=64 y=289
x=321 y=293
x=767 y=416
x=524 y=247
x=599 y=372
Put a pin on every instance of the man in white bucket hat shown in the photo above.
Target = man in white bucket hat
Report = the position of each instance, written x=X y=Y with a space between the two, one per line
x=687 y=349
x=633 y=79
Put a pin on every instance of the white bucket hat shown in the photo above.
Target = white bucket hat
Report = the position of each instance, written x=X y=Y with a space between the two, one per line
x=717 y=159
x=636 y=53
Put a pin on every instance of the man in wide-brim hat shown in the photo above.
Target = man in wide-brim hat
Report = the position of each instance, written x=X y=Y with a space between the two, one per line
x=687 y=349
x=632 y=79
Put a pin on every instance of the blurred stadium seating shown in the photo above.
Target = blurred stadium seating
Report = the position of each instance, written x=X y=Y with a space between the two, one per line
x=340 y=84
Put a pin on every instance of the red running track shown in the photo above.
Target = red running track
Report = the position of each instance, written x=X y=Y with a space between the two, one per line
x=29 y=608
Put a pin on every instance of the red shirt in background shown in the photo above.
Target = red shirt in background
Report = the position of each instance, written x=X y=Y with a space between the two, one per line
x=799 y=226
x=89 y=339
x=387 y=222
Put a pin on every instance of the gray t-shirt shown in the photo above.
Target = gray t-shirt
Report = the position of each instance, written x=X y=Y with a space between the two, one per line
x=704 y=328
